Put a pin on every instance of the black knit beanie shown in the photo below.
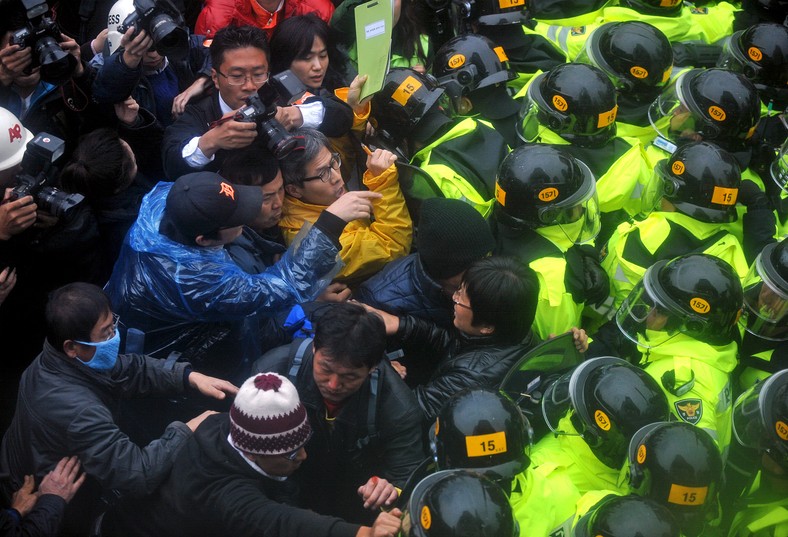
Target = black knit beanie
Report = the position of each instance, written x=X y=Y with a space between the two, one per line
x=451 y=236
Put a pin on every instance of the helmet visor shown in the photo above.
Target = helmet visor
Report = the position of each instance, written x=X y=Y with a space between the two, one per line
x=733 y=58
x=766 y=305
x=578 y=215
x=643 y=318
x=654 y=191
x=780 y=168
x=758 y=422
x=556 y=404
x=747 y=419
x=672 y=118
x=530 y=128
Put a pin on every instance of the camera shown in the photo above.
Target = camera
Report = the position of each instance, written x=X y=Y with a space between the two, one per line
x=42 y=35
x=281 y=89
x=164 y=24
x=39 y=172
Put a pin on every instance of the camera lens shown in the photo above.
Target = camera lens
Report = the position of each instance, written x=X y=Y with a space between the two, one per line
x=56 y=64
x=57 y=203
x=278 y=140
x=170 y=39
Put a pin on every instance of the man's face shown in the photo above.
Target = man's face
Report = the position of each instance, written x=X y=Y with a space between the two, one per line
x=280 y=465
x=22 y=81
x=271 y=211
x=245 y=61
x=103 y=330
x=152 y=60
x=336 y=381
x=316 y=191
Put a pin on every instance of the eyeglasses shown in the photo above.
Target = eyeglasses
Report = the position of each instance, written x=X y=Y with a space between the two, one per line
x=324 y=175
x=456 y=303
x=292 y=455
x=115 y=323
x=258 y=79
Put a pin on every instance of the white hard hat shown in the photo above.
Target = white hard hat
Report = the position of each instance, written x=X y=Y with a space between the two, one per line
x=13 y=140
x=117 y=14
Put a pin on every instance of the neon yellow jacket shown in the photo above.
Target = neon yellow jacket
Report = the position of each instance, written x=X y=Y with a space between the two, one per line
x=572 y=459
x=700 y=391
x=542 y=500
x=366 y=246
x=653 y=233
x=706 y=24
x=761 y=518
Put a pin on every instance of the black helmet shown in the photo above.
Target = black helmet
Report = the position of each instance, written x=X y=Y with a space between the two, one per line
x=483 y=430
x=404 y=100
x=766 y=294
x=760 y=418
x=635 y=55
x=574 y=100
x=607 y=399
x=713 y=104
x=660 y=8
x=698 y=295
x=540 y=185
x=700 y=179
x=678 y=465
x=760 y=53
x=458 y=503
x=562 y=9
x=626 y=516
x=470 y=62
x=489 y=12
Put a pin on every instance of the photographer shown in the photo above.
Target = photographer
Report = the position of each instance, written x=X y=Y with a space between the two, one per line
x=161 y=78
x=42 y=79
x=240 y=59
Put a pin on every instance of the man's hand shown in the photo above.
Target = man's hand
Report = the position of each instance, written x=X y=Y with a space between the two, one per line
x=134 y=47
x=335 y=292
x=72 y=47
x=182 y=99
x=353 y=205
x=64 y=480
x=229 y=134
x=98 y=43
x=16 y=216
x=127 y=111
x=211 y=386
x=197 y=420
x=7 y=282
x=24 y=499
x=377 y=492
x=13 y=62
x=289 y=116
x=401 y=370
x=386 y=525
x=390 y=321
x=380 y=161
x=581 y=339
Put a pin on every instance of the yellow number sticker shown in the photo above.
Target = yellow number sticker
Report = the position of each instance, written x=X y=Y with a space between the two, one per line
x=504 y=4
x=782 y=429
x=502 y=57
x=560 y=103
x=602 y=420
x=755 y=54
x=638 y=72
x=405 y=90
x=548 y=194
x=458 y=60
x=485 y=444
x=724 y=196
x=606 y=118
x=425 y=518
x=717 y=113
x=642 y=453
x=677 y=167
x=700 y=305
x=500 y=194
x=680 y=495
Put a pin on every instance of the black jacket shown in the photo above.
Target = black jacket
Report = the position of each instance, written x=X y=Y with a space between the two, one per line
x=465 y=362
x=197 y=117
x=344 y=453
x=212 y=491
x=42 y=521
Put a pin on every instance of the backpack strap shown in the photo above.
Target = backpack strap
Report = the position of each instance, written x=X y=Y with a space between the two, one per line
x=298 y=359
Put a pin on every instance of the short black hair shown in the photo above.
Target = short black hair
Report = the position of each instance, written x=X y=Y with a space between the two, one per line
x=99 y=167
x=72 y=311
x=294 y=165
x=350 y=335
x=252 y=166
x=503 y=293
x=294 y=37
x=235 y=37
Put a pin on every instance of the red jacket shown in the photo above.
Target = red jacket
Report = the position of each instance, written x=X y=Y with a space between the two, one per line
x=217 y=14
